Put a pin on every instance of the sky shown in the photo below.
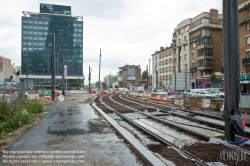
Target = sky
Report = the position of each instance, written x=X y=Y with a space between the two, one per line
x=127 y=31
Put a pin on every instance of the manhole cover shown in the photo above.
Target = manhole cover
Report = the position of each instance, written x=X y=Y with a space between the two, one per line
x=65 y=122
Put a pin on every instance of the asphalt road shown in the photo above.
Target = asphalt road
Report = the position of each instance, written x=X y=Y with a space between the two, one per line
x=71 y=133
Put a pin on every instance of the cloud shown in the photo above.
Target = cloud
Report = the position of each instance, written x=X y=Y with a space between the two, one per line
x=128 y=31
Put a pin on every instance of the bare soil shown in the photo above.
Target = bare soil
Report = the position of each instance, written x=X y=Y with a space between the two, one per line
x=212 y=153
x=171 y=155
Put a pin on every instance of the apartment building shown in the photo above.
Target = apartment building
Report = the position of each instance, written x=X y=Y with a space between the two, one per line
x=197 y=48
x=162 y=68
x=6 y=68
x=244 y=33
x=130 y=75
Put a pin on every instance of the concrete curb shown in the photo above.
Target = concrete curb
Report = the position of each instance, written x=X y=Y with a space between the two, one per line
x=147 y=156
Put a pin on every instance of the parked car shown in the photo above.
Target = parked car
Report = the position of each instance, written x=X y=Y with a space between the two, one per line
x=159 y=91
x=203 y=93
x=8 y=85
x=218 y=91
x=124 y=89
x=187 y=92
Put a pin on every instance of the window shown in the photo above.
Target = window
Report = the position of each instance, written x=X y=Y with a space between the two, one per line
x=79 y=30
x=46 y=23
x=193 y=54
x=185 y=38
x=40 y=22
x=170 y=60
x=35 y=27
x=24 y=27
x=193 y=64
x=248 y=54
x=248 y=40
x=45 y=28
x=179 y=41
x=247 y=26
x=35 y=22
x=193 y=45
x=40 y=27
x=24 y=21
x=185 y=47
x=30 y=21
x=35 y=33
x=79 y=25
x=247 y=10
x=186 y=66
x=30 y=32
x=40 y=33
x=185 y=56
x=24 y=32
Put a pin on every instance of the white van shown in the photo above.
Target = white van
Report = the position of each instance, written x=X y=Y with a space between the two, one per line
x=203 y=93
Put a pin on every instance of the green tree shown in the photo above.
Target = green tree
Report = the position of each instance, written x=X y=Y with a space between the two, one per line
x=144 y=75
x=212 y=77
x=104 y=85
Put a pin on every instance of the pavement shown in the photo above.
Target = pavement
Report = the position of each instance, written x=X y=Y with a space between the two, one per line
x=70 y=133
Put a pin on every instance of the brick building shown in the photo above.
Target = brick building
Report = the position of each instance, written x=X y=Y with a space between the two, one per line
x=244 y=33
x=130 y=75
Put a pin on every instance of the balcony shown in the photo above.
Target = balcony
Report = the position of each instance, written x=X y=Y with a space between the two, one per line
x=206 y=67
x=246 y=61
x=244 y=18
x=192 y=69
x=174 y=46
x=179 y=44
x=192 y=39
x=174 y=38
x=185 y=42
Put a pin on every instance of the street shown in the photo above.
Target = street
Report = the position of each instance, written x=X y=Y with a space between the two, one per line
x=71 y=128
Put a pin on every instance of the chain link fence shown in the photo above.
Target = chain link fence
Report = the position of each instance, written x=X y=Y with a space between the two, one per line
x=10 y=94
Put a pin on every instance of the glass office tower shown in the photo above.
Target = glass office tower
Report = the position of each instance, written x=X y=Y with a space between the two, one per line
x=37 y=31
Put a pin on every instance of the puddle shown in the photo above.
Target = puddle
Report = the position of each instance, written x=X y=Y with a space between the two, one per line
x=70 y=114
x=65 y=131
x=65 y=122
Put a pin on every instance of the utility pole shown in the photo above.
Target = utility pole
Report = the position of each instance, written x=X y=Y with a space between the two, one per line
x=89 y=80
x=147 y=77
x=63 y=71
x=149 y=69
x=231 y=54
x=27 y=73
x=109 y=78
x=100 y=70
x=52 y=67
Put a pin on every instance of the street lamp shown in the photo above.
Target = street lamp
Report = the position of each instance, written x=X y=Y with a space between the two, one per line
x=27 y=72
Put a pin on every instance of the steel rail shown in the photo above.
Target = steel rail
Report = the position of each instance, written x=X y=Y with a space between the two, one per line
x=155 y=136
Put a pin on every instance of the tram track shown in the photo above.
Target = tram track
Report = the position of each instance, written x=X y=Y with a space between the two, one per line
x=123 y=104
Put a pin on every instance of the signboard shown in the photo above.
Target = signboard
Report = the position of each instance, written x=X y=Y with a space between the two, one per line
x=180 y=81
x=55 y=9
x=65 y=72
x=131 y=78
x=244 y=77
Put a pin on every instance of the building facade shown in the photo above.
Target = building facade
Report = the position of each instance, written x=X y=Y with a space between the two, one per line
x=244 y=33
x=162 y=67
x=6 y=69
x=37 y=43
x=130 y=75
x=109 y=80
x=197 y=48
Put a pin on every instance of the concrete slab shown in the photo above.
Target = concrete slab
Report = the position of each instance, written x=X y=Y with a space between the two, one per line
x=139 y=149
